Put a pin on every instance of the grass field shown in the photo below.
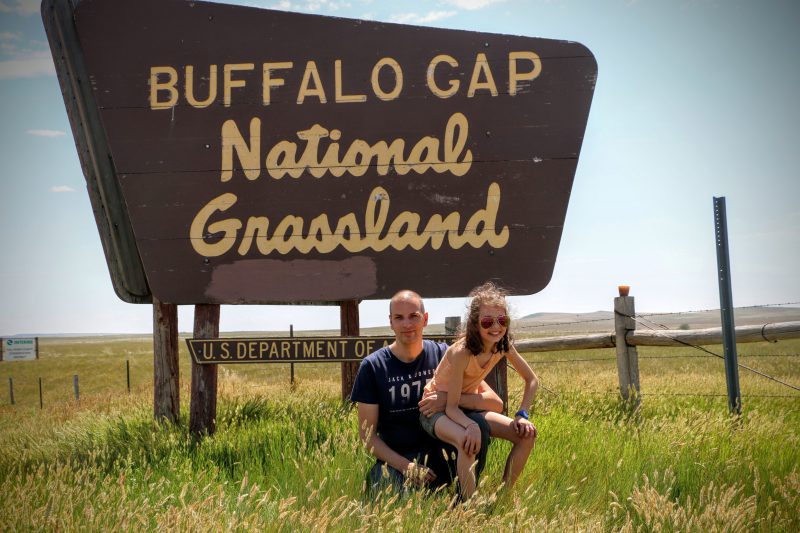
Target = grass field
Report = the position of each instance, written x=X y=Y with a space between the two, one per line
x=288 y=458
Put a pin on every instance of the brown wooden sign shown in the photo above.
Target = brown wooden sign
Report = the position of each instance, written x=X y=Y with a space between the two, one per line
x=290 y=349
x=241 y=155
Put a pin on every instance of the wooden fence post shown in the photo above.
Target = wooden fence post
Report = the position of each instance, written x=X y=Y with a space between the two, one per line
x=627 y=355
x=291 y=365
x=166 y=374
x=497 y=378
x=349 y=328
x=451 y=324
x=203 y=402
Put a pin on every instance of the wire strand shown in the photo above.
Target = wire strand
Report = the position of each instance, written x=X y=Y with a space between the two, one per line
x=679 y=394
x=642 y=321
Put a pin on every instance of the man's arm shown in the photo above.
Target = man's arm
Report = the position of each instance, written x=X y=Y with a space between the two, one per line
x=367 y=423
x=486 y=400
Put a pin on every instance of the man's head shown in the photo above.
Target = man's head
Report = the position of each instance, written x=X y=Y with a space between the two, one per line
x=407 y=317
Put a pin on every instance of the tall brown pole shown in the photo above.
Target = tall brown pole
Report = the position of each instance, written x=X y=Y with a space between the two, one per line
x=166 y=374
x=203 y=403
x=349 y=328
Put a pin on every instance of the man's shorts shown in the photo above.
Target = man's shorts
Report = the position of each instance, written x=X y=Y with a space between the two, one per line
x=428 y=423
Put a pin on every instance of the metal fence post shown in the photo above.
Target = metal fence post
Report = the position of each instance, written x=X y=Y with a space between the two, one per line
x=726 y=307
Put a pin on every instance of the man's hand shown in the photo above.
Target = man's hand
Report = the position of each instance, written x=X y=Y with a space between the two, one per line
x=472 y=439
x=433 y=403
x=524 y=428
x=418 y=475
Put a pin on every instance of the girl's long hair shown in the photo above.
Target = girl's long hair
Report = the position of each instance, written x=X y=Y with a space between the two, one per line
x=487 y=294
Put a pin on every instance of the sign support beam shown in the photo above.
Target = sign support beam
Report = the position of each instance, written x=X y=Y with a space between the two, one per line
x=166 y=374
x=203 y=402
x=349 y=328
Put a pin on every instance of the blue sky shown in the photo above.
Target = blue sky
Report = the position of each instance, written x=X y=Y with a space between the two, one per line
x=694 y=99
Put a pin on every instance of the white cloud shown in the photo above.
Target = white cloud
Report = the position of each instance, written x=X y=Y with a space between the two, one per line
x=61 y=188
x=325 y=5
x=416 y=18
x=403 y=18
x=433 y=16
x=20 y=7
x=311 y=6
x=9 y=44
x=35 y=64
x=46 y=133
x=283 y=5
x=472 y=4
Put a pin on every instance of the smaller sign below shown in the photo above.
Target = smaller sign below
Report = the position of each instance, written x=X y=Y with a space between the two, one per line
x=20 y=349
x=290 y=349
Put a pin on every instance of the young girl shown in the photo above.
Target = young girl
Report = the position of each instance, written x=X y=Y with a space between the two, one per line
x=465 y=364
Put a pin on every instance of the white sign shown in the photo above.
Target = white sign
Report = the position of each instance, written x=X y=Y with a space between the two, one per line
x=19 y=349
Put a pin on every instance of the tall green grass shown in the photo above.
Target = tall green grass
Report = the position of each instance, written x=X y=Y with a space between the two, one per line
x=288 y=458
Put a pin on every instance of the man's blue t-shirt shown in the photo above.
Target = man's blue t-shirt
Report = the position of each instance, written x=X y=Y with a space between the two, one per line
x=397 y=387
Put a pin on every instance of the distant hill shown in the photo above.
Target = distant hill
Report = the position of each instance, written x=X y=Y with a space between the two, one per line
x=536 y=324
x=601 y=321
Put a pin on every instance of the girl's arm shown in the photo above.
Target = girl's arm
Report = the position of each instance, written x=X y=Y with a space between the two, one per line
x=531 y=384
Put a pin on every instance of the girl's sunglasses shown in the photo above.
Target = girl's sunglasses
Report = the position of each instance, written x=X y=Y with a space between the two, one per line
x=488 y=321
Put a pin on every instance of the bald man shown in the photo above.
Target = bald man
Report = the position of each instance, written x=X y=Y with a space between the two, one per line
x=388 y=390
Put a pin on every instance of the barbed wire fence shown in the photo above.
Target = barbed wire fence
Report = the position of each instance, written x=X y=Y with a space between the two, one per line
x=529 y=326
x=644 y=320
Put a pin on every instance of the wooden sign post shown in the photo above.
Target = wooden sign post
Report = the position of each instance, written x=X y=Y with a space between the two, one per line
x=349 y=328
x=166 y=372
x=203 y=403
